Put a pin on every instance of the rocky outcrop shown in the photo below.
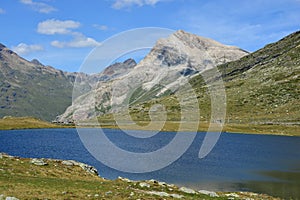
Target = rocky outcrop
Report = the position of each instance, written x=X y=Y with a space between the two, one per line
x=44 y=162
x=85 y=167
x=169 y=63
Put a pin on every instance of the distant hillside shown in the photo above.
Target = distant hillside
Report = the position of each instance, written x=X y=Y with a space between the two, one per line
x=32 y=89
x=264 y=87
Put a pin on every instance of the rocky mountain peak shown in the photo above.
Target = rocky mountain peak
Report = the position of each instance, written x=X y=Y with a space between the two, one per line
x=192 y=51
x=130 y=62
x=169 y=63
x=36 y=62
x=195 y=41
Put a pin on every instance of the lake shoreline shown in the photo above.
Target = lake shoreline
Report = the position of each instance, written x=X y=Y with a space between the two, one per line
x=49 y=170
x=237 y=163
x=17 y=123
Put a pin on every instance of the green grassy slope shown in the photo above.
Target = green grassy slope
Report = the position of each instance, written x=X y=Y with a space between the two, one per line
x=264 y=87
x=31 y=89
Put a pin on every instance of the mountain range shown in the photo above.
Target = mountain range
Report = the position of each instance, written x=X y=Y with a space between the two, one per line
x=261 y=87
x=169 y=64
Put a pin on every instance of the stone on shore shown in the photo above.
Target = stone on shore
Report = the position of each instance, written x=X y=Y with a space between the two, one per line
x=164 y=194
x=209 y=193
x=143 y=184
x=2 y=197
x=125 y=179
x=68 y=162
x=187 y=190
x=232 y=195
x=11 y=198
x=39 y=162
x=89 y=168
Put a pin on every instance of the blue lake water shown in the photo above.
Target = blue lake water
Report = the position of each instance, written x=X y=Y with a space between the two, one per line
x=260 y=163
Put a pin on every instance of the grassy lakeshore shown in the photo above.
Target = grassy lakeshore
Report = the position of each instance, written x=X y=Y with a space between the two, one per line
x=22 y=179
x=270 y=129
x=11 y=123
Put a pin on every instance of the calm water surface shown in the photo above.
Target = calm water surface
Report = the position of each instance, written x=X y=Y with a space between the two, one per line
x=259 y=163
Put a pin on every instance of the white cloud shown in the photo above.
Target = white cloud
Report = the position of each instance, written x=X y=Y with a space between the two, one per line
x=39 y=6
x=24 y=49
x=2 y=11
x=53 y=26
x=119 y=4
x=78 y=41
x=100 y=27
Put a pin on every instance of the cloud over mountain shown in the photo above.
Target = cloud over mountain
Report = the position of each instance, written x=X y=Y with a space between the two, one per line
x=24 y=49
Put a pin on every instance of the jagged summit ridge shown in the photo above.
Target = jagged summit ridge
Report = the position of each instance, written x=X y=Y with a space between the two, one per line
x=117 y=69
x=199 y=42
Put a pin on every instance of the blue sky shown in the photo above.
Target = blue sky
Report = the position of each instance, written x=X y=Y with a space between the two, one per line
x=61 y=33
